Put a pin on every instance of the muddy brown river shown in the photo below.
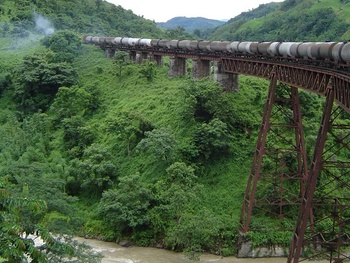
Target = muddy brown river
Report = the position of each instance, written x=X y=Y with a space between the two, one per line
x=114 y=253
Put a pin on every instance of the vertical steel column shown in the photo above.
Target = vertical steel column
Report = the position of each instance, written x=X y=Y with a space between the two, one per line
x=300 y=140
x=316 y=165
x=249 y=197
x=287 y=150
x=327 y=236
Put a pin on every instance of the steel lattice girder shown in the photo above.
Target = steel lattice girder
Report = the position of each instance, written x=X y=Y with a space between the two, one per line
x=309 y=78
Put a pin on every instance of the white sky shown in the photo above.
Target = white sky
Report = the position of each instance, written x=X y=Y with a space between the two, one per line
x=163 y=10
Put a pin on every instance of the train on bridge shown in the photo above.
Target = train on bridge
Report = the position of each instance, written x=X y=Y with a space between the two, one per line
x=334 y=53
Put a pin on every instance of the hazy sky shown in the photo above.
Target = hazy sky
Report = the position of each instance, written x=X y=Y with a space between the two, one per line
x=163 y=10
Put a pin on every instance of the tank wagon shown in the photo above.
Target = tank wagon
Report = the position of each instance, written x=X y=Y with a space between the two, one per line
x=336 y=52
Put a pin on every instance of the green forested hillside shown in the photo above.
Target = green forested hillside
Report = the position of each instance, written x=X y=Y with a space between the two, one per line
x=118 y=156
x=291 y=20
x=108 y=149
x=90 y=16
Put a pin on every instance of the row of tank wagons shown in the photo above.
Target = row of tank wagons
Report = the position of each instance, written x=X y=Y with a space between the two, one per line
x=333 y=51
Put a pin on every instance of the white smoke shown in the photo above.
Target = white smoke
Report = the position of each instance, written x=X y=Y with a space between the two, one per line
x=43 y=25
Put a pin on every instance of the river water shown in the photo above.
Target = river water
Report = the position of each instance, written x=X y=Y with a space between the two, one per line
x=114 y=253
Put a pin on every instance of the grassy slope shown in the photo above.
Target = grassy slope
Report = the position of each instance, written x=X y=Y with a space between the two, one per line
x=12 y=51
x=342 y=11
x=161 y=103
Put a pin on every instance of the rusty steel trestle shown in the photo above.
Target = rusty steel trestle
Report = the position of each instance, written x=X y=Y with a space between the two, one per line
x=335 y=87
x=328 y=187
x=304 y=212
x=282 y=152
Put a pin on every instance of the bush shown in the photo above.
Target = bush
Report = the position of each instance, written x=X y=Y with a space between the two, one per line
x=125 y=207
x=65 y=44
x=37 y=81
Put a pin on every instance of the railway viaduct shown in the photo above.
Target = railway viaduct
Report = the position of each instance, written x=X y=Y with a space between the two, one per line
x=201 y=65
x=309 y=184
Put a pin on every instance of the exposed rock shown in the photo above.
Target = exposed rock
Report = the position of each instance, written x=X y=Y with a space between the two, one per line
x=248 y=251
x=125 y=243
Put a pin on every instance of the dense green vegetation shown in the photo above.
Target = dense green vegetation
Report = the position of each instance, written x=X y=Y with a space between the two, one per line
x=21 y=224
x=291 y=20
x=91 y=16
x=107 y=149
x=116 y=154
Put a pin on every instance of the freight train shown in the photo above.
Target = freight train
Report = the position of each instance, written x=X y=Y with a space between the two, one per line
x=335 y=53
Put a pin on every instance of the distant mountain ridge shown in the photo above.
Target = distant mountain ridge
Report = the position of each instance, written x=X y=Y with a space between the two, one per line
x=190 y=24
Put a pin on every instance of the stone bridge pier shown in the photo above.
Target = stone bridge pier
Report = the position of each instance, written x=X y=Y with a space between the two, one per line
x=177 y=66
x=110 y=52
x=227 y=80
x=201 y=68
x=155 y=58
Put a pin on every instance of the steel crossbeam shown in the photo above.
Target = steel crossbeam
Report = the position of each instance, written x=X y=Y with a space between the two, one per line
x=335 y=86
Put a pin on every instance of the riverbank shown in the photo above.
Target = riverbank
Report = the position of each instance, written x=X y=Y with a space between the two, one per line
x=114 y=253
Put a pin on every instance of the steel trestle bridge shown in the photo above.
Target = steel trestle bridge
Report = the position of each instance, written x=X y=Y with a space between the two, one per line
x=312 y=184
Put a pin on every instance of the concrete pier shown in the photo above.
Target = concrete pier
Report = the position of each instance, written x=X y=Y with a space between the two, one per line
x=228 y=80
x=177 y=67
x=110 y=52
x=155 y=58
x=200 y=68
x=132 y=56
x=139 y=58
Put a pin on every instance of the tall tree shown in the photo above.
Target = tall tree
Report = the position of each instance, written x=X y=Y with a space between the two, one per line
x=23 y=238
